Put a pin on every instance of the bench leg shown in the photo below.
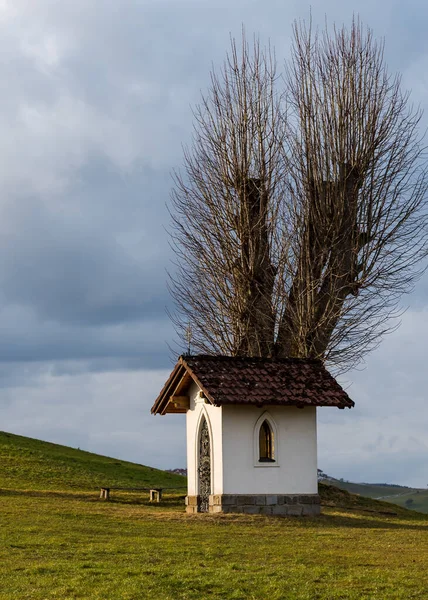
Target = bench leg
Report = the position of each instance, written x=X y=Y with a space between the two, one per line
x=155 y=495
x=105 y=494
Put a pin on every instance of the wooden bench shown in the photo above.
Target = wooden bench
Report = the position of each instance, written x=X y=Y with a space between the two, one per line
x=155 y=493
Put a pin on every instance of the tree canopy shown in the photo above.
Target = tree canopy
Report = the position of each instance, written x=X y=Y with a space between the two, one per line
x=300 y=216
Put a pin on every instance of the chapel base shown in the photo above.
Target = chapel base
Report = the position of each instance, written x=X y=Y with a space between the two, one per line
x=259 y=504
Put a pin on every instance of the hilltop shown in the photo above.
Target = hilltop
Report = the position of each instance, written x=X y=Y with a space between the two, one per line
x=32 y=464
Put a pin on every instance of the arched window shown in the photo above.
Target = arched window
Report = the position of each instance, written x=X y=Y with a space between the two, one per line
x=266 y=443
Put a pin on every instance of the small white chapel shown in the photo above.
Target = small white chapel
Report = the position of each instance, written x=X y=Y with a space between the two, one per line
x=251 y=431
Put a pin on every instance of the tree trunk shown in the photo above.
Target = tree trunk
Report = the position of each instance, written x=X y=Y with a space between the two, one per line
x=256 y=274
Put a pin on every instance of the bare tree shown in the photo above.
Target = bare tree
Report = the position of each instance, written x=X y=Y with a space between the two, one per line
x=299 y=230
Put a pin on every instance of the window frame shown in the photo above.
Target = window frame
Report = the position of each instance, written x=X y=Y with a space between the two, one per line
x=265 y=416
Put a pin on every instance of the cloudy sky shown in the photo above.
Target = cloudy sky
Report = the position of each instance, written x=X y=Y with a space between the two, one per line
x=94 y=109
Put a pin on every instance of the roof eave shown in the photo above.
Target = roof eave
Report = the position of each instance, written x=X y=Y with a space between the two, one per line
x=195 y=378
x=273 y=403
x=160 y=405
x=161 y=402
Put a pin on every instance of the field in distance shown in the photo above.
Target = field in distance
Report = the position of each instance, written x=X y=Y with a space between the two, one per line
x=407 y=497
x=58 y=541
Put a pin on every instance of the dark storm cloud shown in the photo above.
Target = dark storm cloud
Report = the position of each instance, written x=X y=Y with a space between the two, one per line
x=71 y=271
x=24 y=338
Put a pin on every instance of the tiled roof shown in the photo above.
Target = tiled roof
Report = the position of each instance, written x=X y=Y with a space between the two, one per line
x=255 y=381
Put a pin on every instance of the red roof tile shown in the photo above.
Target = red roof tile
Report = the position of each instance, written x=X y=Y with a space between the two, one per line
x=256 y=381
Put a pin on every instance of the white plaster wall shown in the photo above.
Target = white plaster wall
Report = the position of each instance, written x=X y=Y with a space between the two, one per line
x=213 y=414
x=296 y=451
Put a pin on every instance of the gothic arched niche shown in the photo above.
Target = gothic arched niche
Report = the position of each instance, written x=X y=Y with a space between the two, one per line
x=204 y=466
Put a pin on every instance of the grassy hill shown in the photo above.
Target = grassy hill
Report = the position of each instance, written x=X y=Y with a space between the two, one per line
x=31 y=464
x=412 y=498
x=370 y=490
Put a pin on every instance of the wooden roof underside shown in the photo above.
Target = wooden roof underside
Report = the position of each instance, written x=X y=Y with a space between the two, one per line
x=175 y=389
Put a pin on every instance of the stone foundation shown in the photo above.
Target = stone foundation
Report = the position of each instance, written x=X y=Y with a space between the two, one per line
x=263 y=504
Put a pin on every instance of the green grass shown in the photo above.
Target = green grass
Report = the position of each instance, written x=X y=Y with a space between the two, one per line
x=70 y=546
x=35 y=465
x=65 y=544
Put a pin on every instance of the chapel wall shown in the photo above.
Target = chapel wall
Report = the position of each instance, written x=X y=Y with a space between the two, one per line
x=295 y=471
x=213 y=414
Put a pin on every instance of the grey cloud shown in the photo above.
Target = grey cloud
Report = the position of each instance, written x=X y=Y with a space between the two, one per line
x=30 y=374
x=384 y=437
x=25 y=338
x=107 y=413
x=407 y=468
x=71 y=271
